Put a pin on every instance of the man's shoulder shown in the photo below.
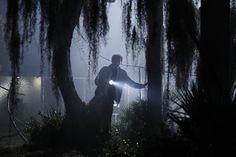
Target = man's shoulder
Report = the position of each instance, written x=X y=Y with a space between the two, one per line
x=122 y=71
x=105 y=68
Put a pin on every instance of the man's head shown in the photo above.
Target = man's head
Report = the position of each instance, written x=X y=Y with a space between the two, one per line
x=116 y=60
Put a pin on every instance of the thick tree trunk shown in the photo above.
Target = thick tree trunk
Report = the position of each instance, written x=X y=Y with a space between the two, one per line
x=66 y=21
x=153 y=63
x=214 y=70
x=233 y=43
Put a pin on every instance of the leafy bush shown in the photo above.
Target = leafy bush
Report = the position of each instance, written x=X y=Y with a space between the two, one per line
x=46 y=129
x=128 y=136
x=119 y=146
x=132 y=121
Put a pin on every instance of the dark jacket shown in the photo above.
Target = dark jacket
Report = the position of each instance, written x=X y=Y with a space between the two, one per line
x=105 y=75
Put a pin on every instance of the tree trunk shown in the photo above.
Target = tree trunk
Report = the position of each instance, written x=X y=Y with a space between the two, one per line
x=153 y=63
x=66 y=21
x=233 y=42
x=214 y=70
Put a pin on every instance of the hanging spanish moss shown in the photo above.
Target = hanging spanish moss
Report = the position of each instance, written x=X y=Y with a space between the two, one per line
x=134 y=26
x=141 y=15
x=181 y=37
x=141 y=28
x=49 y=10
x=127 y=9
x=96 y=26
x=29 y=12
x=12 y=37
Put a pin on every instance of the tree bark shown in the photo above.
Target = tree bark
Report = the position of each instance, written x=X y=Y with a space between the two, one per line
x=214 y=70
x=153 y=63
x=233 y=43
x=66 y=21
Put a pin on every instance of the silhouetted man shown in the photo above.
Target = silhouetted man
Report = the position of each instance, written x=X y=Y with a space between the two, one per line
x=108 y=91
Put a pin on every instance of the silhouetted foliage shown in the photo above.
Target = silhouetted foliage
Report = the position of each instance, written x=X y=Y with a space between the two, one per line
x=29 y=11
x=48 y=12
x=130 y=131
x=12 y=37
x=182 y=38
x=132 y=121
x=214 y=61
x=46 y=130
x=57 y=21
x=206 y=121
x=96 y=26
x=134 y=26
x=120 y=146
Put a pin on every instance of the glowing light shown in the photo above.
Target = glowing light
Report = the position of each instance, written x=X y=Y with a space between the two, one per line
x=116 y=104
x=111 y=82
x=115 y=83
x=37 y=82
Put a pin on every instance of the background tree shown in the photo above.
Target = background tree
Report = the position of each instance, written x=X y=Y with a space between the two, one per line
x=182 y=37
x=214 y=68
x=57 y=22
x=232 y=40
x=58 y=19
x=146 y=33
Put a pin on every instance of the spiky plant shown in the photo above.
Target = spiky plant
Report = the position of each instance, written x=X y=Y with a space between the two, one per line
x=205 y=120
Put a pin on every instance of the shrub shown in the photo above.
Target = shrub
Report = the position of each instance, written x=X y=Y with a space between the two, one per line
x=45 y=130
x=128 y=136
x=119 y=146
x=132 y=121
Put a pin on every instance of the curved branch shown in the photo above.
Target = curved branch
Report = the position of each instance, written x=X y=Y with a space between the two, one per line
x=66 y=21
x=12 y=118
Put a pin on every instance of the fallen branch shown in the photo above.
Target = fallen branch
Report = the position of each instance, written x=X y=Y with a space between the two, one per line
x=12 y=118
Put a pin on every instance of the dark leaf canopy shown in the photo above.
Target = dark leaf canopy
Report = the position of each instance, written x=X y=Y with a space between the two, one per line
x=96 y=26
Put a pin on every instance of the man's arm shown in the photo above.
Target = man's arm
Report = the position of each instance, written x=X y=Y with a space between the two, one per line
x=132 y=83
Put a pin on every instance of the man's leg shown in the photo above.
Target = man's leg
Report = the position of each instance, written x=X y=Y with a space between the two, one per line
x=107 y=116
x=96 y=112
